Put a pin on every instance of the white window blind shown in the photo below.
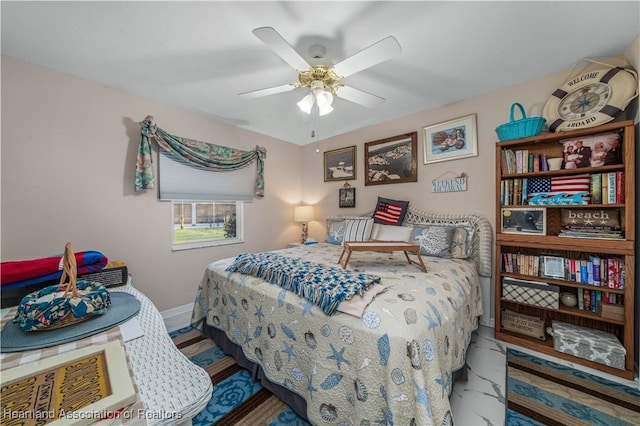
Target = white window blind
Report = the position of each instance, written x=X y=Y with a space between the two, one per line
x=178 y=181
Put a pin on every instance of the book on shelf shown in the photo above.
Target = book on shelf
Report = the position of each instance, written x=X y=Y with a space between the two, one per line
x=590 y=234
x=544 y=166
x=587 y=299
x=580 y=298
x=620 y=188
x=595 y=262
x=596 y=188
x=611 y=194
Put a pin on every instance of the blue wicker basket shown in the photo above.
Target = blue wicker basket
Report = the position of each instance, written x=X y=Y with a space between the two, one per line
x=523 y=128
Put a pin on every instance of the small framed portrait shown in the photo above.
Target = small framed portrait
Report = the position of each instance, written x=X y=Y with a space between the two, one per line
x=340 y=164
x=530 y=221
x=592 y=151
x=451 y=140
x=553 y=267
x=391 y=160
x=347 y=197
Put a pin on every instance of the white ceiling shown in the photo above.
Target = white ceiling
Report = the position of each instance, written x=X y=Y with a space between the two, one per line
x=199 y=55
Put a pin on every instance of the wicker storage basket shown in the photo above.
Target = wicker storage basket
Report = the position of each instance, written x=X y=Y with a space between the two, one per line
x=523 y=128
x=64 y=304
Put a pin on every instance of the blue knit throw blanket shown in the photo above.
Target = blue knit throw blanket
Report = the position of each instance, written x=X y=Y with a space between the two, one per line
x=324 y=286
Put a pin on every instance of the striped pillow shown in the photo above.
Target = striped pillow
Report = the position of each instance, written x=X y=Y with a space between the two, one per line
x=358 y=229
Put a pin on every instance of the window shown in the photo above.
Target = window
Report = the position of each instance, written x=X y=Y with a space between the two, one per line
x=206 y=223
x=215 y=217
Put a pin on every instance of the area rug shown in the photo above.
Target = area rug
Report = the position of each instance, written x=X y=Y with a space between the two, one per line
x=541 y=392
x=236 y=398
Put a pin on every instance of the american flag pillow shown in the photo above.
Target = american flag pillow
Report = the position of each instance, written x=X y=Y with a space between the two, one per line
x=568 y=184
x=390 y=212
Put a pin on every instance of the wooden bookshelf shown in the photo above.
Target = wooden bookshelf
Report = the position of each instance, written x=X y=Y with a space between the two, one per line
x=546 y=241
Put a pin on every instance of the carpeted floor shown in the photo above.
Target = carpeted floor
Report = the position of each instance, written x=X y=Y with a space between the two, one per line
x=540 y=392
x=236 y=399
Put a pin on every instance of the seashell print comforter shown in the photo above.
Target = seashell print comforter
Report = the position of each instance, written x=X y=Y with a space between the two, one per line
x=392 y=366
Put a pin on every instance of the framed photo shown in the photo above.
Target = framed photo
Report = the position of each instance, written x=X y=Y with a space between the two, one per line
x=553 y=267
x=592 y=151
x=530 y=221
x=340 y=164
x=451 y=140
x=100 y=372
x=347 y=197
x=391 y=160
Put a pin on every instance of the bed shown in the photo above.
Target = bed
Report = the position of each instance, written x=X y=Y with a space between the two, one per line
x=393 y=363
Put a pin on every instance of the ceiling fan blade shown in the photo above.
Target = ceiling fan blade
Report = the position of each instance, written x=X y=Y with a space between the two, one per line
x=359 y=96
x=268 y=91
x=279 y=45
x=378 y=52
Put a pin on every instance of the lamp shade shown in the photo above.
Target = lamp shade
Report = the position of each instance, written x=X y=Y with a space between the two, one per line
x=306 y=103
x=303 y=213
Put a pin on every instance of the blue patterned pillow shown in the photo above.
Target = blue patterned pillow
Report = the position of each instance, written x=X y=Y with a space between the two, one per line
x=442 y=240
x=433 y=240
x=335 y=231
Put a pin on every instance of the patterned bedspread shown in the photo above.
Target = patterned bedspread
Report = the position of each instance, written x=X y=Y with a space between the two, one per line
x=392 y=366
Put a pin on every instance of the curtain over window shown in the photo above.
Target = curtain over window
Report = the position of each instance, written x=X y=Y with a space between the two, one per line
x=201 y=155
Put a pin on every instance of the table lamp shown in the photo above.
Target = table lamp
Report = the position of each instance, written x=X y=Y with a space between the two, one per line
x=303 y=214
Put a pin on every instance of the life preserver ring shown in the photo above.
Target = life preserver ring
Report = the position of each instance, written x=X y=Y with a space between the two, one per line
x=610 y=90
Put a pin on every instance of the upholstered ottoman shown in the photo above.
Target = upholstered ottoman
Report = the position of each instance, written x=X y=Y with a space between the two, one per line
x=587 y=343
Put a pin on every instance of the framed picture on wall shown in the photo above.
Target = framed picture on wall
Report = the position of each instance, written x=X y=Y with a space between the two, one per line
x=347 y=197
x=450 y=140
x=340 y=164
x=391 y=160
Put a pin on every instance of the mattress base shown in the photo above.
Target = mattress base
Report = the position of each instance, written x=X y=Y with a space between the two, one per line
x=292 y=399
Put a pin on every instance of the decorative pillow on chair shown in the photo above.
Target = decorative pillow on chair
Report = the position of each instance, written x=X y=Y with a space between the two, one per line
x=358 y=229
x=390 y=212
x=391 y=233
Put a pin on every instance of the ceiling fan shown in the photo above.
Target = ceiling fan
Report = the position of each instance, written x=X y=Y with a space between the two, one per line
x=324 y=80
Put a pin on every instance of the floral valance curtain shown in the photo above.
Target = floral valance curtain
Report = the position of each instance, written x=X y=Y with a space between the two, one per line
x=198 y=154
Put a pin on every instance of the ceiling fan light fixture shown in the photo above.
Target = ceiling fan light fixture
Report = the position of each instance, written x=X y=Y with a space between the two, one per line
x=306 y=103
x=324 y=98
x=321 y=96
x=324 y=110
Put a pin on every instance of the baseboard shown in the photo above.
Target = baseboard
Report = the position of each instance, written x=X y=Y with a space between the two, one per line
x=177 y=318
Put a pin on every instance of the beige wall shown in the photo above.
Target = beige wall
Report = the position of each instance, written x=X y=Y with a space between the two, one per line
x=68 y=160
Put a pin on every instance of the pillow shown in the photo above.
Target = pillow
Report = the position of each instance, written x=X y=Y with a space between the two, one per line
x=459 y=247
x=357 y=229
x=433 y=240
x=391 y=233
x=335 y=228
x=335 y=231
x=442 y=240
x=390 y=212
